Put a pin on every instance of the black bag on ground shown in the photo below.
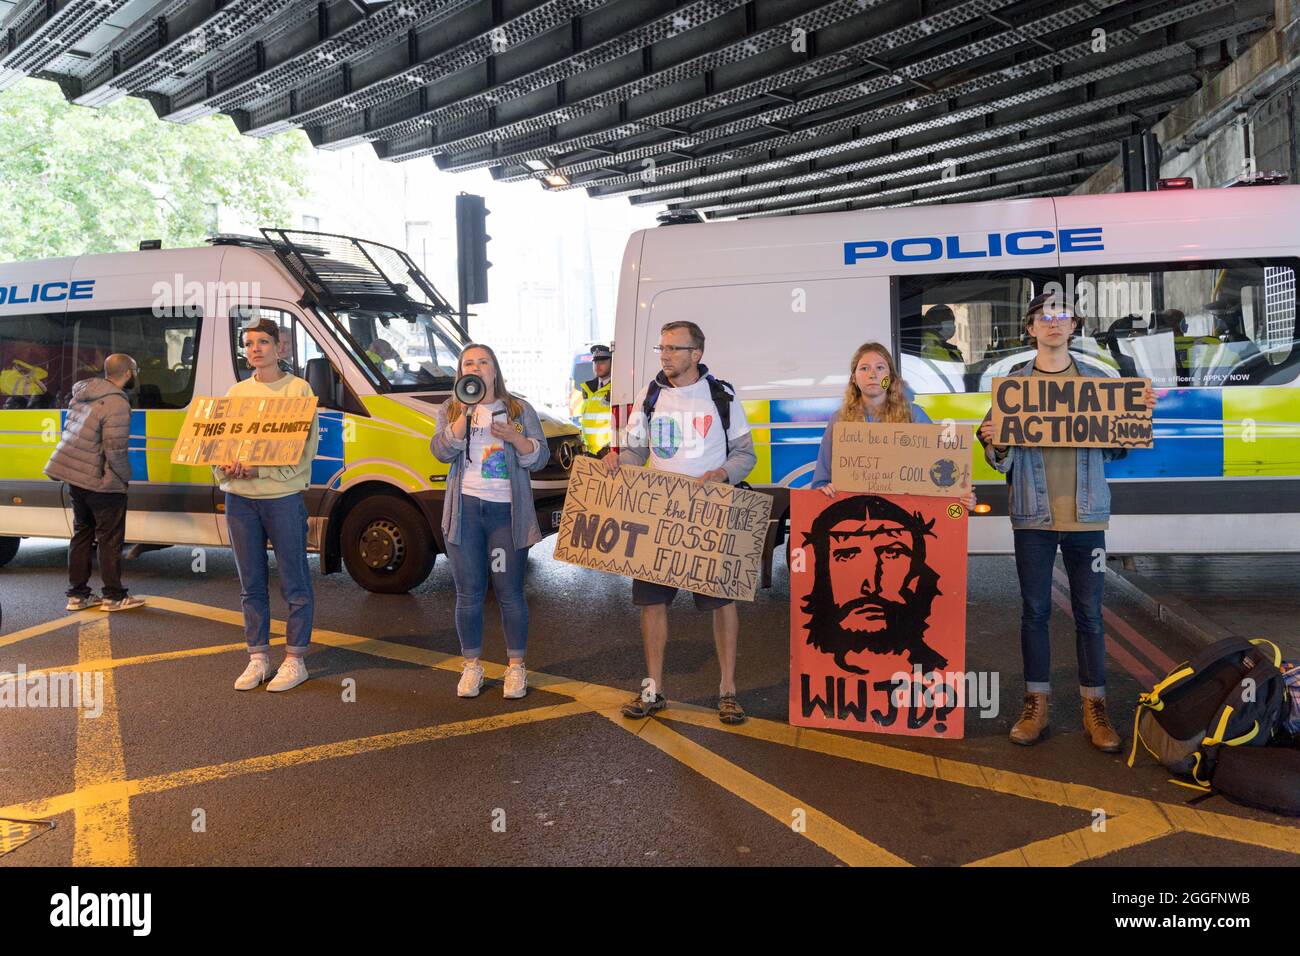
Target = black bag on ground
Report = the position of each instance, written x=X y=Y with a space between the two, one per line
x=1230 y=695
x=1263 y=777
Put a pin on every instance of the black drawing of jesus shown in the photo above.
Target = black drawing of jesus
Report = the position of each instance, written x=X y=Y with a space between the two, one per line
x=872 y=588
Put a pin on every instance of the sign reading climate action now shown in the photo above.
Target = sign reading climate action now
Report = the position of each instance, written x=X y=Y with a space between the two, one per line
x=1073 y=412
x=251 y=431
x=664 y=528
x=897 y=458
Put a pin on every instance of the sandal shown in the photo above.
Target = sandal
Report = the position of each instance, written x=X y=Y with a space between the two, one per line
x=729 y=710
x=638 y=707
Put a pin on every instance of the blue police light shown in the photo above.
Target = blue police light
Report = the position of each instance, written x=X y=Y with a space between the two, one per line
x=48 y=292
x=1025 y=242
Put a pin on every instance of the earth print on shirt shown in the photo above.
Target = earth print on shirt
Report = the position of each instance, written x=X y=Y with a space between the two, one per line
x=665 y=436
x=494 y=462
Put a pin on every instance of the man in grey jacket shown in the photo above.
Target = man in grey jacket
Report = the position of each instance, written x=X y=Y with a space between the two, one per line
x=92 y=458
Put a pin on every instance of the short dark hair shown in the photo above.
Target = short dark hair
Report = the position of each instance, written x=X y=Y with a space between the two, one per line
x=695 y=332
x=262 y=325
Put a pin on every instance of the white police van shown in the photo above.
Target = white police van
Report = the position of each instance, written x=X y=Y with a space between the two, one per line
x=1194 y=289
x=359 y=322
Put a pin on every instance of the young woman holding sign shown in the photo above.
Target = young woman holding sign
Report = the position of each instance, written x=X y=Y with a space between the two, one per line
x=488 y=518
x=266 y=503
x=1073 y=516
x=874 y=394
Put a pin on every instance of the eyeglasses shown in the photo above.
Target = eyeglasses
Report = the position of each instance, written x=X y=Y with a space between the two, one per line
x=673 y=349
x=1060 y=318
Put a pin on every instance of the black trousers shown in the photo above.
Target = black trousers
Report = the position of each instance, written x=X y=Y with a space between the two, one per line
x=98 y=517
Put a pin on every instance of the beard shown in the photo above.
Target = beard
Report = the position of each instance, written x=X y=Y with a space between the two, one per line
x=901 y=629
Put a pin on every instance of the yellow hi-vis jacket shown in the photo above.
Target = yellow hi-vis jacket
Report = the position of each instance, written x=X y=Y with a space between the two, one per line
x=595 y=414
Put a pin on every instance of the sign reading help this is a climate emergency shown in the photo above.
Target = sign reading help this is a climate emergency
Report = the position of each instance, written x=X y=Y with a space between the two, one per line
x=1073 y=412
x=664 y=528
x=878 y=613
x=885 y=458
x=251 y=431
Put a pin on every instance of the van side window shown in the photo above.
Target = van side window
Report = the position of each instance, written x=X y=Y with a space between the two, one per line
x=297 y=345
x=1193 y=324
x=33 y=370
x=241 y=316
x=956 y=331
x=164 y=347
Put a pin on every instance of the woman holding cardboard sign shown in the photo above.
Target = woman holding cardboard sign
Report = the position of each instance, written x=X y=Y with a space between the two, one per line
x=488 y=519
x=265 y=503
x=1072 y=516
x=874 y=394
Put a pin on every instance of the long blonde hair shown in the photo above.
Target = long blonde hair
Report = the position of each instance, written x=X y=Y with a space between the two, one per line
x=896 y=409
x=514 y=408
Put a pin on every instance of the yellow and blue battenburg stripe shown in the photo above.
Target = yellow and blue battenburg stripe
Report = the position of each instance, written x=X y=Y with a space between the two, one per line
x=1240 y=431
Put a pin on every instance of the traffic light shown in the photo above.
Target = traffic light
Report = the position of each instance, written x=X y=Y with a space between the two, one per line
x=471 y=248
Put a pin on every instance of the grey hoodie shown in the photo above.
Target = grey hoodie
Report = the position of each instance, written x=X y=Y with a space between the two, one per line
x=92 y=453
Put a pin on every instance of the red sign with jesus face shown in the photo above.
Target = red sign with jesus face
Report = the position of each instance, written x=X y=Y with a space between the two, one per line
x=878 y=613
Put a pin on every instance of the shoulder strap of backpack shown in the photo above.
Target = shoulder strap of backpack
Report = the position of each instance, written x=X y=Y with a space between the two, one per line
x=1154 y=698
x=722 y=394
x=651 y=396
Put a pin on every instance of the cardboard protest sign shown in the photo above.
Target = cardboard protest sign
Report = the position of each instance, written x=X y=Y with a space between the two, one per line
x=1077 y=411
x=664 y=528
x=251 y=431
x=878 y=613
x=884 y=458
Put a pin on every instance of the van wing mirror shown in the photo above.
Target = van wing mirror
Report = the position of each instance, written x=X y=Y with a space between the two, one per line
x=324 y=381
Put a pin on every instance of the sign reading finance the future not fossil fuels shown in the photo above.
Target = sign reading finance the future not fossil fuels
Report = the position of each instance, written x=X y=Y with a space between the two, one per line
x=1074 y=412
x=663 y=528
x=886 y=458
x=250 y=431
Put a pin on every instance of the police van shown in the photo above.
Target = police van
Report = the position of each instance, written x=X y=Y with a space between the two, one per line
x=1194 y=289
x=367 y=330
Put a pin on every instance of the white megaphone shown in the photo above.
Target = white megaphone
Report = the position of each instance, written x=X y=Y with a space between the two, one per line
x=469 y=389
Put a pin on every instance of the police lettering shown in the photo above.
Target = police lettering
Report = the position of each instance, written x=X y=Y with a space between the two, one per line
x=1025 y=242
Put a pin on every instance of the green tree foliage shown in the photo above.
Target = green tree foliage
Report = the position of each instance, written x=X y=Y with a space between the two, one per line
x=77 y=180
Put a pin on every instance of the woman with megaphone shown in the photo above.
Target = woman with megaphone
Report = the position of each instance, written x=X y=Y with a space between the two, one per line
x=492 y=440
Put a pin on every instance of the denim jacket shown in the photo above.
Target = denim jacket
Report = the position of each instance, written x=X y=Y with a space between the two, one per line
x=523 y=513
x=1027 y=476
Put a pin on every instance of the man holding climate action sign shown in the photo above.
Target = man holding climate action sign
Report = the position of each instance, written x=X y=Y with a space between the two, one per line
x=266 y=503
x=1072 y=515
x=688 y=423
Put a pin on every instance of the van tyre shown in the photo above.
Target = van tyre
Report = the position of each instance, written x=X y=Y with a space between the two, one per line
x=8 y=548
x=387 y=546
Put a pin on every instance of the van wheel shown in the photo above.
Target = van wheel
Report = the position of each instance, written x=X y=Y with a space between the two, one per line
x=8 y=548
x=387 y=546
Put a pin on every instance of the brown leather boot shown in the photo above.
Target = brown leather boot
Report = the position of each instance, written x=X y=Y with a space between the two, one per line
x=1097 y=725
x=1032 y=724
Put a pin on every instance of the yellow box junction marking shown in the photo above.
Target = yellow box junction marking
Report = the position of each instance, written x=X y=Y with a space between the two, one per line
x=1132 y=820
x=103 y=827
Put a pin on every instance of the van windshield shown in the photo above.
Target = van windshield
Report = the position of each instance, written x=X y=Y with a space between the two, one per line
x=411 y=353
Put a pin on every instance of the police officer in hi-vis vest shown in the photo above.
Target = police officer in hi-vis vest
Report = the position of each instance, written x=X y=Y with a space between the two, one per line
x=595 y=402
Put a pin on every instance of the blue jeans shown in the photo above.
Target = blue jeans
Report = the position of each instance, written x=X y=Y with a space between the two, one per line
x=487 y=548
x=252 y=521
x=1035 y=559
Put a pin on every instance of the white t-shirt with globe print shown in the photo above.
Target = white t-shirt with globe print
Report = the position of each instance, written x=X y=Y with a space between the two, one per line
x=685 y=433
x=487 y=473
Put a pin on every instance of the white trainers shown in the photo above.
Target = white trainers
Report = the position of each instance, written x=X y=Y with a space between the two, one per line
x=516 y=682
x=258 y=670
x=471 y=679
x=83 y=603
x=291 y=673
x=122 y=604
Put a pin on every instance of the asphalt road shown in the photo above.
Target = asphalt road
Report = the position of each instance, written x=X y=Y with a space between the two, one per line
x=376 y=761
